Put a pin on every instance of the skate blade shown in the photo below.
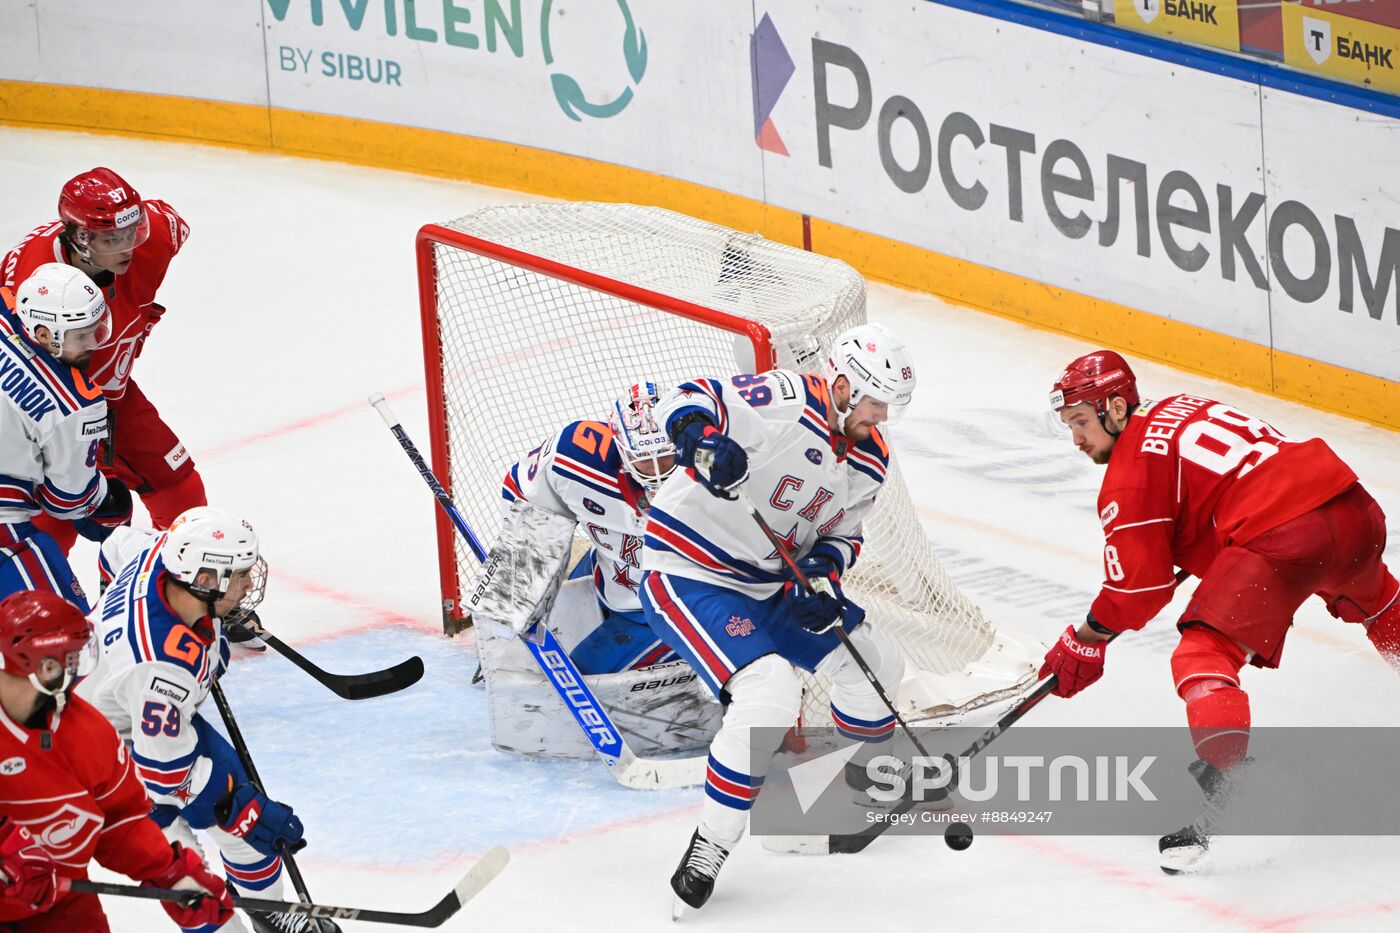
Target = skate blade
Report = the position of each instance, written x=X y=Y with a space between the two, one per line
x=1183 y=860
x=678 y=908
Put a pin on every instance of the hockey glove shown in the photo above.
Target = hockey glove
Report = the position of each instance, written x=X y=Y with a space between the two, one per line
x=714 y=459
x=266 y=825
x=187 y=872
x=824 y=607
x=1075 y=664
x=27 y=871
x=115 y=510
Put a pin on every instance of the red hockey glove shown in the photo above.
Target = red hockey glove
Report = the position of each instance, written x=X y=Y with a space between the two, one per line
x=27 y=872
x=188 y=873
x=1074 y=663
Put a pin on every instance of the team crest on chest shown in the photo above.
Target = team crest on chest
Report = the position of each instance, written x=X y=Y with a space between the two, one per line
x=814 y=455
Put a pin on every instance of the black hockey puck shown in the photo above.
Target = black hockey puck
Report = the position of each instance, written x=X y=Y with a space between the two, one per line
x=958 y=836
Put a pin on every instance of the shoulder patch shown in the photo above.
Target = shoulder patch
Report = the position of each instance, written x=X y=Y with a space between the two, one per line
x=168 y=688
x=592 y=506
x=814 y=455
x=1108 y=514
x=12 y=766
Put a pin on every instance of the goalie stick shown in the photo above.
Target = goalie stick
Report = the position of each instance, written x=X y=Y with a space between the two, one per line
x=559 y=669
x=347 y=686
x=481 y=874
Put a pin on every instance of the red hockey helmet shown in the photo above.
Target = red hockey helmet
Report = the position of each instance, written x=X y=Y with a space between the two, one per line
x=106 y=212
x=1095 y=377
x=38 y=624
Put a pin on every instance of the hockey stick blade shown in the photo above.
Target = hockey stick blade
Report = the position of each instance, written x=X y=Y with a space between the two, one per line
x=481 y=874
x=347 y=686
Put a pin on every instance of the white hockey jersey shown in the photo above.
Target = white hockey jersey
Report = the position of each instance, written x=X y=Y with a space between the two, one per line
x=578 y=473
x=51 y=418
x=154 y=673
x=812 y=485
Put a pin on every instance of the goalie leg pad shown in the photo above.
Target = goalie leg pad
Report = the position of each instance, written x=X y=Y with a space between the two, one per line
x=765 y=698
x=526 y=565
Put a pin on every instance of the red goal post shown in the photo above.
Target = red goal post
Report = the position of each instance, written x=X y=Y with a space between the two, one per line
x=431 y=236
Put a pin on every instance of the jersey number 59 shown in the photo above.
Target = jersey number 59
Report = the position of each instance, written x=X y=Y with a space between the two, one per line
x=153 y=723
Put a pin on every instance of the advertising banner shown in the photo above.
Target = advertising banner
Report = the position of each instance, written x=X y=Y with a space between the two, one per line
x=1203 y=22
x=1341 y=47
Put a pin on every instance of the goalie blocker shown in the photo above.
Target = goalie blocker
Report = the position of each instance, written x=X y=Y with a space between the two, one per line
x=661 y=710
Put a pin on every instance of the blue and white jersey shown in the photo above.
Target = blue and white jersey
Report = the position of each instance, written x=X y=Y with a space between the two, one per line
x=51 y=418
x=812 y=485
x=578 y=473
x=154 y=673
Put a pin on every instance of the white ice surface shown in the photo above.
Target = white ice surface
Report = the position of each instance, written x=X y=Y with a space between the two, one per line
x=295 y=298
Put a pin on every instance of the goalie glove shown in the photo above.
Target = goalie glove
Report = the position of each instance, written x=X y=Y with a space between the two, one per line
x=525 y=568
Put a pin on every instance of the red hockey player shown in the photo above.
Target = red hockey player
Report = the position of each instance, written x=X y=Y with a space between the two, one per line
x=1264 y=521
x=124 y=244
x=68 y=791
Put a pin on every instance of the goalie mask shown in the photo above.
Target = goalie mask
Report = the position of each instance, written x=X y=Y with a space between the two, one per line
x=647 y=452
x=43 y=636
x=215 y=557
x=876 y=364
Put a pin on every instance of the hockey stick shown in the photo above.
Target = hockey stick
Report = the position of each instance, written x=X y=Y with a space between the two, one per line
x=857 y=842
x=347 y=686
x=806 y=584
x=245 y=757
x=606 y=739
x=481 y=874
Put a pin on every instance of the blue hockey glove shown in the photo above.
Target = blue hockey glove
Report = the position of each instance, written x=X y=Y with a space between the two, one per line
x=713 y=459
x=266 y=825
x=822 y=609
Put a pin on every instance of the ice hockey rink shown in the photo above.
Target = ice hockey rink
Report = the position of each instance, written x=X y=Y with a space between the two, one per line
x=295 y=298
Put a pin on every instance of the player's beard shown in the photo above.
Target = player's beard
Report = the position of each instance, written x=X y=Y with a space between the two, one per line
x=44 y=707
x=83 y=362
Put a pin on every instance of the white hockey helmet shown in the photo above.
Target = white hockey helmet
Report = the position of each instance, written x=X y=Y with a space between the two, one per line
x=876 y=363
x=63 y=299
x=641 y=439
x=206 y=541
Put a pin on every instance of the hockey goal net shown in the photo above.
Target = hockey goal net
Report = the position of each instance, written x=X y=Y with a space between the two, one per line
x=535 y=315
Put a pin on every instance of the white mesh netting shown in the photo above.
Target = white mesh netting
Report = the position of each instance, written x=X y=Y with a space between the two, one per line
x=524 y=352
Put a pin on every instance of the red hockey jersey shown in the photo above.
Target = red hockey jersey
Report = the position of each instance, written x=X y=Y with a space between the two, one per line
x=1189 y=476
x=73 y=786
x=131 y=295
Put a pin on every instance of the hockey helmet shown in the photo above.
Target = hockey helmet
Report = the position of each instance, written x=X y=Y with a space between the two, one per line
x=876 y=363
x=64 y=300
x=36 y=625
x=105 y=212
x=1095 y=377
x=203 y=550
